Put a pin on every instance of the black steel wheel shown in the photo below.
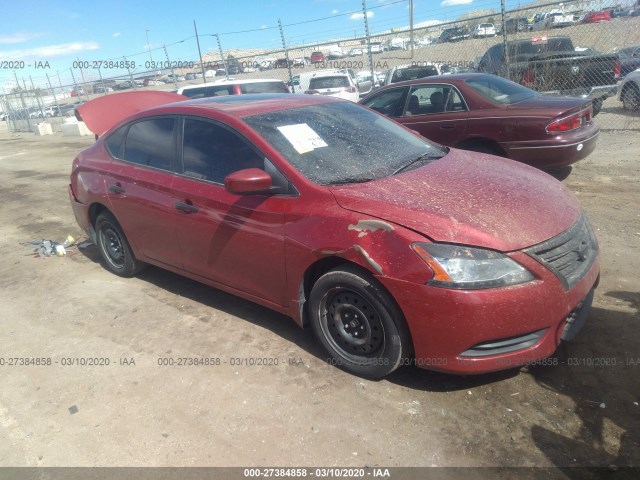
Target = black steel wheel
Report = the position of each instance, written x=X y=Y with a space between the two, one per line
x=114 y=247
x=358 y=323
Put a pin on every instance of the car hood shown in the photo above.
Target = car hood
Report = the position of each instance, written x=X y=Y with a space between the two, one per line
x=469 y=198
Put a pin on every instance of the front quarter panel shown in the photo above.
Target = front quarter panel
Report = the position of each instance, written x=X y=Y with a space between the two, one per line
x=322 y=233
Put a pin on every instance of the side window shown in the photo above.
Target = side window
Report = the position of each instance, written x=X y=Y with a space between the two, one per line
x=455 y=103
x=211 y=152
x=390 y=102
x=427 y=99
x=114 y=142
x=151 y=143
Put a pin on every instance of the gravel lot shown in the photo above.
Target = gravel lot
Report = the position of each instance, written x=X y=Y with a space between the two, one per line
x=583 y=411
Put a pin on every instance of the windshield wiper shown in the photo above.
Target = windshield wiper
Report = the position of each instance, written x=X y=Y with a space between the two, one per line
x=342 y=181
x=424 y=156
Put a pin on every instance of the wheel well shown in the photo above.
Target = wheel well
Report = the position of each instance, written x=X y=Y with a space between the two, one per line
x=630 y=85
x=322 y=266
x=311 y=276
x=483 y=145
x=95 y=210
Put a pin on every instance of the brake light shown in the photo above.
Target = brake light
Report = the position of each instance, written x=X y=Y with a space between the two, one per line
x=571 y=122
x=528 y=77
x=617 y=69
x=312 y=92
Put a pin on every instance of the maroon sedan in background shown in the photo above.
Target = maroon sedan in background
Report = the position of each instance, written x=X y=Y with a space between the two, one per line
x=395 y=250
x=486 y=113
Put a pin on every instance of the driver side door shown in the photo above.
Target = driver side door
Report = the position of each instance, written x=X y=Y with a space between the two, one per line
x=235 y=240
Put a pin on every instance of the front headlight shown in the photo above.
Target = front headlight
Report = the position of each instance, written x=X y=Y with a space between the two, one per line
x=456 y=266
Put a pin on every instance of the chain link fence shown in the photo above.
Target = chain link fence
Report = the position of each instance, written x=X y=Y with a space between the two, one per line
x=556 y=48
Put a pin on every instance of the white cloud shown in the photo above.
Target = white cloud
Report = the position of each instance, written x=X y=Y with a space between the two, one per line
x=263 y=27
x=360 y=16
x=48 y=51
x=18 y=37
x=334 y=11
x=451 y=3
x=116 y=35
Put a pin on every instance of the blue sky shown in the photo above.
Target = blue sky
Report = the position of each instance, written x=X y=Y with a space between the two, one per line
x=61 y=32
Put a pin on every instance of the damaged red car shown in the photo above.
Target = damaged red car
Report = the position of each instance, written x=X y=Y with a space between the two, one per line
x=393 y=249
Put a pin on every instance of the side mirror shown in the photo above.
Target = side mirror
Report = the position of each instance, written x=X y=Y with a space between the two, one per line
x=249 y=180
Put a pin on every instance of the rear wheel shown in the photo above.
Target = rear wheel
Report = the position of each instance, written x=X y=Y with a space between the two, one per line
x=114 y=247
x=631 y=98
x=358 y=323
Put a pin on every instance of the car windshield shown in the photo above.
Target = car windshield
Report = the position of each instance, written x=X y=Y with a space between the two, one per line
x=500 y=91
x=341 y=142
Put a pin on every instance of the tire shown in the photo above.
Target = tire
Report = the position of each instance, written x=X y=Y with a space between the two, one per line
x=114 y=247
x=631 y=98
x=484 y=148
x=596 y=105
x=358 y=323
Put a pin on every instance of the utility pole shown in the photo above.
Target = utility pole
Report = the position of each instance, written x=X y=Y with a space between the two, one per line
x=224 y=62
x=146 y=31
x=411 y=26
x=286 y=56
x=366 y=30
x=199 y=51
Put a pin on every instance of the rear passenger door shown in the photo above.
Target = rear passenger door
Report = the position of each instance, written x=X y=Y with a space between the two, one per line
x=139 y=187
x=437 y=111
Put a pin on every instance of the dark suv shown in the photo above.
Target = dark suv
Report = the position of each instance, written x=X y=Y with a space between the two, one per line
x=453 y=35
x=514 y=25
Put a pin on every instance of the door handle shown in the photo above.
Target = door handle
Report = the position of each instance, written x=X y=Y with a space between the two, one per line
x=185 y=207
x=116 y=189
x=447 y=126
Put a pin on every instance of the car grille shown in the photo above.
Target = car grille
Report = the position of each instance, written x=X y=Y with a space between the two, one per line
x=570 y=254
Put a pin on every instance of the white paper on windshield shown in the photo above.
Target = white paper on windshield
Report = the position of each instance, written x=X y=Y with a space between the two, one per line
x=302 y=137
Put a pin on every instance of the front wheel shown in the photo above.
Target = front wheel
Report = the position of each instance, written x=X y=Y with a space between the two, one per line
x=114 y=247
x=358 y=323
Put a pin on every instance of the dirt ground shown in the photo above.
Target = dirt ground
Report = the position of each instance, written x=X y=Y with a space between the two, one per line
x=583 y=411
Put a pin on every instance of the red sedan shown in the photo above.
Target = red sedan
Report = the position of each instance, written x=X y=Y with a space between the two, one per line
x=489 y=114
x=596 y=17
x=394 y=250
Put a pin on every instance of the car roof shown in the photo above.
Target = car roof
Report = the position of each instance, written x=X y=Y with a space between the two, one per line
x=232 y=82
x=250 y=104
x=455 y=78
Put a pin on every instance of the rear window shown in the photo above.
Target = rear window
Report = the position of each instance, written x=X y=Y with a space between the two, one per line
x=500 y=91
x=264 y=87
x=329 y=82
x=533 y=47
x=403 y=74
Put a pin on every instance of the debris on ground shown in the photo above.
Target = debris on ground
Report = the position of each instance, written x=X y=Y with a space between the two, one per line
x=47 y=248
